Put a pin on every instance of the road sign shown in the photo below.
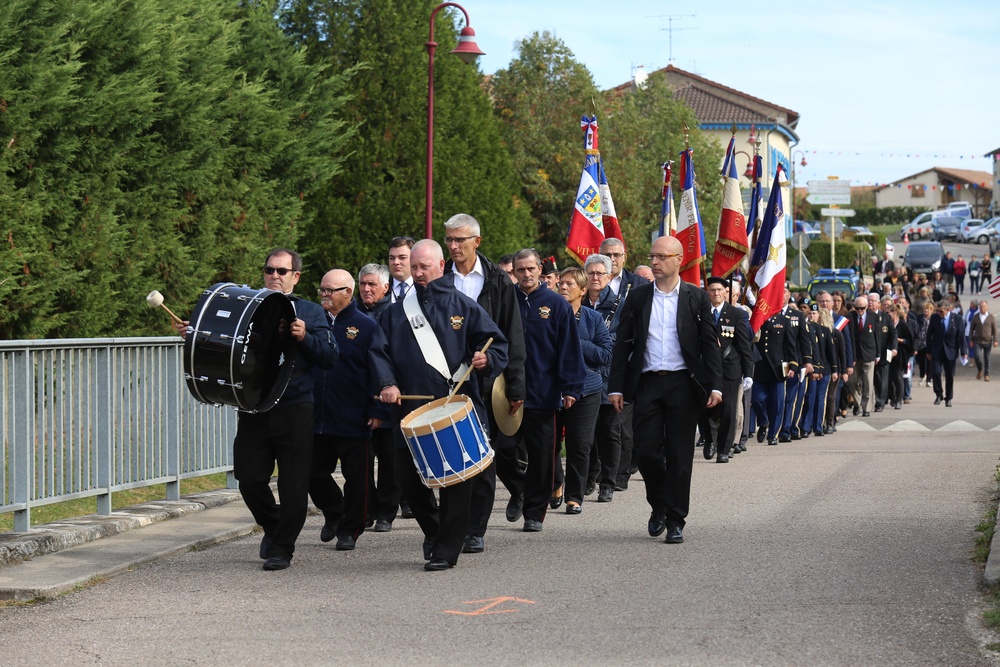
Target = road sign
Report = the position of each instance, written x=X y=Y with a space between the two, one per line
x=837 y=213
x=838 y=227
x=800 y=240
x=801 y=277
x=829 y=187
x=829 y=199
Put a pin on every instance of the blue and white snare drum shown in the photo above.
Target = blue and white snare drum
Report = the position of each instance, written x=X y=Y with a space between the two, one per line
x=447 y=441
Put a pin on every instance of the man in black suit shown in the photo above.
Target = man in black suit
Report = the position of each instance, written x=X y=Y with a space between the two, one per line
x=887 y=347
x=945 y=343
x=737 y=370
x=667 y=360
x=865 y=327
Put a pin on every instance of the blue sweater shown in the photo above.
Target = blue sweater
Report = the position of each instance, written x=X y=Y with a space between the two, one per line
x=554 y=365
x=344 y=396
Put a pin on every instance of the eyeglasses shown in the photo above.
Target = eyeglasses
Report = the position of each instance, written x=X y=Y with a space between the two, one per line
x=326 y=291
x=613 y=255
x=281 y=271
x=597 y=274
x=457 y=239
x=660 y=257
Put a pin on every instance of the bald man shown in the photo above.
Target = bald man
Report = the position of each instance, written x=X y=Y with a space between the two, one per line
x=667 y=360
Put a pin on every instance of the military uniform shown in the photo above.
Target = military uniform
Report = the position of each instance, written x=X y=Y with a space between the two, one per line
x=776 y=347
x=795 y=386
x=737 y=363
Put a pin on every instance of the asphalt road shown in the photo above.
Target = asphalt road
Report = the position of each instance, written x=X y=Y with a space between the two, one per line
x=852 y=549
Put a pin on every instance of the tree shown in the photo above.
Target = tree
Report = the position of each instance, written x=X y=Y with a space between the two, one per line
x=380 y=191
x=644 y=128
x=540 y=98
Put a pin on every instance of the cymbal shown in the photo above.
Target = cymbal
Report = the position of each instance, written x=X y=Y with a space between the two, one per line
x=508 y=424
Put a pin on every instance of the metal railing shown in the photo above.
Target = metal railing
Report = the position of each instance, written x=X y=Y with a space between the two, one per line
x=91 y=416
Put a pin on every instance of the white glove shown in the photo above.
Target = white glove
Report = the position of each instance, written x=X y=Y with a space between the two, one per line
x=747 y=383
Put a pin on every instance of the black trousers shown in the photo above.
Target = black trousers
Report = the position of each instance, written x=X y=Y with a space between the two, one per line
x=881 y=382
x=667 y=409
x=383 y=491
x=579 y=422
x=444 y=524
x=484 y=485
x=282 y=436
x=350 y=507
x=725 y=413
x=627 y=456
x=940 y=366
x=607 y=451
x=538 y=431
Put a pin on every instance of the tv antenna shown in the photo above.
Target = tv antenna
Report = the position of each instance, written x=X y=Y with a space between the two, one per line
x=670 y=29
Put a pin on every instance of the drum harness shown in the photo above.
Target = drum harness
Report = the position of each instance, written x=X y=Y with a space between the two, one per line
x=429 y=345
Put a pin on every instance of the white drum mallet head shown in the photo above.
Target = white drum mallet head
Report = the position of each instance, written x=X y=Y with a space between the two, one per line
x=155 y=300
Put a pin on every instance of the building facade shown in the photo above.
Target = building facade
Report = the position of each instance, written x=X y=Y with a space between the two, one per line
x=937 y=187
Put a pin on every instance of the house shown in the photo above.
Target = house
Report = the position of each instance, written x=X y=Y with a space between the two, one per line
x=995 y=204
x=719 y=107
x=937 y=187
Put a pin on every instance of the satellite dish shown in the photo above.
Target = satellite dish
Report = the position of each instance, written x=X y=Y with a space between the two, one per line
x=640 y=76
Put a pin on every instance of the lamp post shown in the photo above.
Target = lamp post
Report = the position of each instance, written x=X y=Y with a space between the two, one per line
x=803 y=163
x=748 y=174
x=468 y=51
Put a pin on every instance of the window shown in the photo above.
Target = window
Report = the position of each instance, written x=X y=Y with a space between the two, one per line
x=917 y=190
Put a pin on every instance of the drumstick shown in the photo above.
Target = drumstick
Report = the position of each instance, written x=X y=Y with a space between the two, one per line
x=468 y=372
x=409 y=397
x=155 y=299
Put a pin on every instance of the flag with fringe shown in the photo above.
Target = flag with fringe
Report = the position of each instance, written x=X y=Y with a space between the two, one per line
x=689 y=231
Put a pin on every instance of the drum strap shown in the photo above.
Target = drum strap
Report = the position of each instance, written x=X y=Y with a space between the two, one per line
x=430 y=346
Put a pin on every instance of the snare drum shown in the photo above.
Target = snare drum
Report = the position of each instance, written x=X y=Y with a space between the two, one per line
x=239 y=347
x=447 y=441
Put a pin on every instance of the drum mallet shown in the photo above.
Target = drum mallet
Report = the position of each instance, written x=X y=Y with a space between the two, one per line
x=468 y=372
x=155 y=300
x=408 y=397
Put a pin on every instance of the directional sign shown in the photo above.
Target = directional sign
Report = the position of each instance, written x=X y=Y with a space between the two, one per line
x=829 y=187
x=829 y=199
x=837 y=212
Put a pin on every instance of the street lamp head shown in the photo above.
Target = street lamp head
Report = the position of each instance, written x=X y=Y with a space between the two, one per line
x=748 y=174
x=803 y=163
x=467 y=49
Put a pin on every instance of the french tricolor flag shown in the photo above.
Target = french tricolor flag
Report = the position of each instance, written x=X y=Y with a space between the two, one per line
x=731 y=246
x=769 y=255
x=689 y=224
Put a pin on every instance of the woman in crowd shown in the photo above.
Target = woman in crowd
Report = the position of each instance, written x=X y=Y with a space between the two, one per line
x=975 y=271
x=904 y=350
x=923 y=321
x=987 y=276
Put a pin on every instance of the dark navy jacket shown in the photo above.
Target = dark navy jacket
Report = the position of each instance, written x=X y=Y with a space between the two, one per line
x=317 y=349
x=554 y=365
x=596 y=344
x=344 y=400
x=461 y=326
x=376 y=307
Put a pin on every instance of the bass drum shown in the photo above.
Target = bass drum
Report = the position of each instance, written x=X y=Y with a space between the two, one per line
x=239 y=347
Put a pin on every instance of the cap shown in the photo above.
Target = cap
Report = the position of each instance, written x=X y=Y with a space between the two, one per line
x=716 y=280
x=814 y=307
x=549 y=265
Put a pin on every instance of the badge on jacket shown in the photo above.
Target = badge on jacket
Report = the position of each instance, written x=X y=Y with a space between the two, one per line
x=544 y=312
x=352 y=332
x=456 y=322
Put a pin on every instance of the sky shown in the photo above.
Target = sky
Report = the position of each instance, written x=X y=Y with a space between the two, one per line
x=884 y=88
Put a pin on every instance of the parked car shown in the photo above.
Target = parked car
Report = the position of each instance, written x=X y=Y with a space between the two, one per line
x=979 y=231
x=923 y=256
x=922 y=226
x=946 y=228
x=810 y=229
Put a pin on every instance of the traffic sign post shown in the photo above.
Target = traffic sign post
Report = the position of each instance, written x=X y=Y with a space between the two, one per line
x=836 y=198
x=837 y=212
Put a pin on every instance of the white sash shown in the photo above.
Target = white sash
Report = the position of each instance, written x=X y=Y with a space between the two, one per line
x=429 y=345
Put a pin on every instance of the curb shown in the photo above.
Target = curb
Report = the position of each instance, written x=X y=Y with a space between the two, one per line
x=54 y=537
x=991 y=575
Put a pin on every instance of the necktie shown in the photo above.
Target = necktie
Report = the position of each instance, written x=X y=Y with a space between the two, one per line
x=400 y=290
x=715 y=312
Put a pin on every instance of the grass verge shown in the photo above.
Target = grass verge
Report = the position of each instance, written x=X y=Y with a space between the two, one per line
x=981 y=551
x=84 y=506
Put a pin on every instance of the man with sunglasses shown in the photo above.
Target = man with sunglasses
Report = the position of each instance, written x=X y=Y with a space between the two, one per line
x=865 y=340
x=284 y=434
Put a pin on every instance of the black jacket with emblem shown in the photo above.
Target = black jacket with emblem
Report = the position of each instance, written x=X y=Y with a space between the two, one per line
x=777 y=343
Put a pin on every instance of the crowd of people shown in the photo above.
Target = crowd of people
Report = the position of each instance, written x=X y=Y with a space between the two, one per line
x=625 y=370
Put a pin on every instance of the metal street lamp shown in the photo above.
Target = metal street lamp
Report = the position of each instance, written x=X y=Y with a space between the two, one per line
x=468 y=51
x=748 y=174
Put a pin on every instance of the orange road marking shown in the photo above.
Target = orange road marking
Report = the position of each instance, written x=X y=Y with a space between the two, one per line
x=488 y=609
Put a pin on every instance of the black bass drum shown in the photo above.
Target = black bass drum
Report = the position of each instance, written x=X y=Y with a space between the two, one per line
x=239 y=347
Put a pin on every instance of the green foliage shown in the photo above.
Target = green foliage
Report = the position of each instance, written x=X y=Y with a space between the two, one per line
x=870 y=216
x=643 y=130
x=163 y=144
x=381 y=191
x=540 y=98
x=845 y=252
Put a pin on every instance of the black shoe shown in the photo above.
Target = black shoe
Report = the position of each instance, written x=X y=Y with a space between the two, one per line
x=784 y=438
x=589 y=490
x=532 y=526
x=947 y=403
x=428 y=547
x=656 y=525
x=818 y=433
x=897 y=406
x=856 y=410
x=606 y=494
x=382 y=526
x=370 y=522
x=674 y=536
x=474 y=544
x=734 y=450
x=827 y=430
x=437 y=564
x=276 y=563
x=937 y=401
x=265 y=544
x=345 y=543
x=632 y=469
x=796 y=436
x=866 y=414
x=742 y=446
x=621 y=484
x=708 y=449
x=723 y=458
x=772 y=441
x=879 y=408
x=514 y=507
x=404 y=511
x=573 y=508
x=761 y=433
x=555 y=502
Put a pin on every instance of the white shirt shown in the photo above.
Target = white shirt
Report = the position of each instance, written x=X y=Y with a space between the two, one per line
x=394 y=292
x=472 y=284
x=616 y=284
x=663 y=346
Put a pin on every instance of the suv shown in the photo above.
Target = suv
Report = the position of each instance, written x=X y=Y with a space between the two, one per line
x=946 y=228
x=924 y=256
x=828 y=280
